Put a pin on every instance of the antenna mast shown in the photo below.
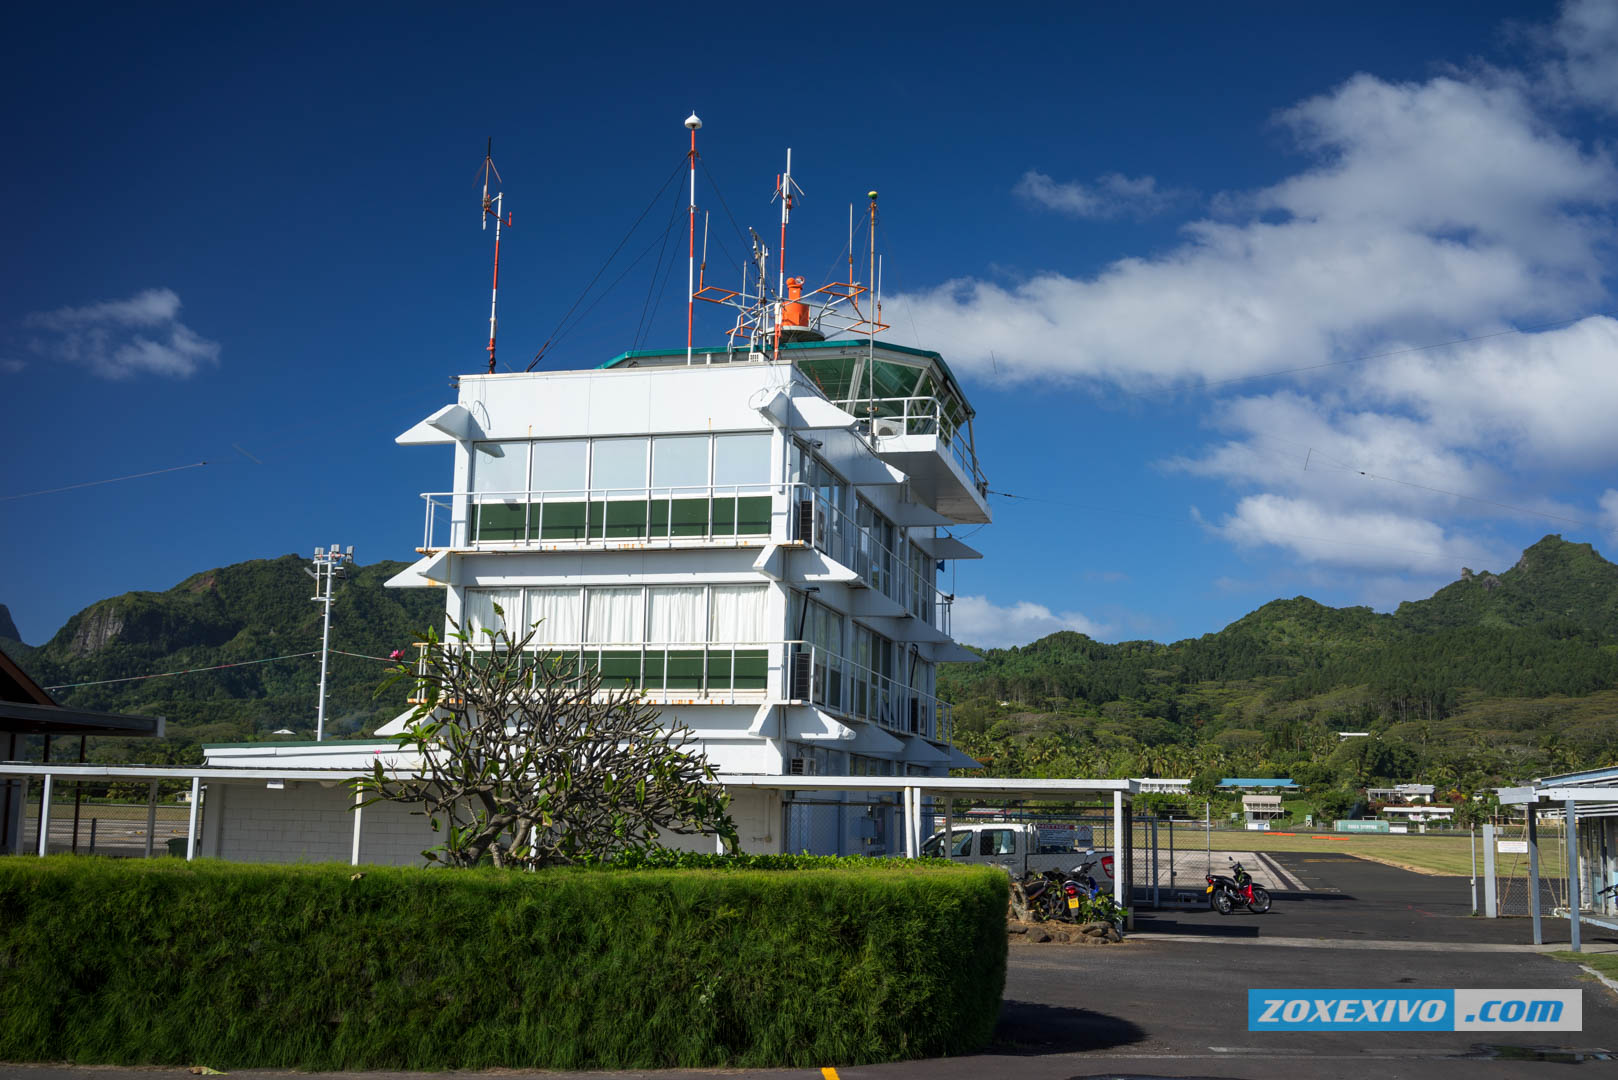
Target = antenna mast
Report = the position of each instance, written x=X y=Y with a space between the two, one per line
x=784 y=187
x=692 y=123
x=493 y=207
x=328 y=563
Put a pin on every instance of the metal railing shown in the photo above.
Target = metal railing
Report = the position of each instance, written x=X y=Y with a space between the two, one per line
x=716 y=672
x=596 y=516
x=590 y=517
x=818 y=522
x=920 y=416
x=846 y=687
x=741 y=672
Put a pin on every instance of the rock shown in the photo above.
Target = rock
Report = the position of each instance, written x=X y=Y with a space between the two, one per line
x=1113 y=934
x=1040 y=936
x=1097 y=927
x=1015 y=929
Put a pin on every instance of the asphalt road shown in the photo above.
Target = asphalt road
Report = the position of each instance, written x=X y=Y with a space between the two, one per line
x=1171 y=1001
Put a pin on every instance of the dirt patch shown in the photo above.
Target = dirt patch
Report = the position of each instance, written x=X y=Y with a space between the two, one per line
x=1049 y=933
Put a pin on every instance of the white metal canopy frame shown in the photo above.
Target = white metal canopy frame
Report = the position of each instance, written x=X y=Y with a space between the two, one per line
x=1584 y=797
x=913 y=790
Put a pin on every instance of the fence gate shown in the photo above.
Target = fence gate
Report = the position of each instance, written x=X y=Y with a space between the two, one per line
x=1510 y=861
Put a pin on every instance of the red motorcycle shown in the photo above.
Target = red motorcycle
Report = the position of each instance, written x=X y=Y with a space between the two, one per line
x=1227 y=892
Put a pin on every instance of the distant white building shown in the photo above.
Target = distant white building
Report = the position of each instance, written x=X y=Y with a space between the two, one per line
x=1401 y=793
x=752 y=543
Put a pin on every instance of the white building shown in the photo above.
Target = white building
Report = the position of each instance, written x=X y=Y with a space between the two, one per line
x=752 y=543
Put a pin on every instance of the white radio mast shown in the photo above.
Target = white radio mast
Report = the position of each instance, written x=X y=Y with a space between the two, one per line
x=328 y=564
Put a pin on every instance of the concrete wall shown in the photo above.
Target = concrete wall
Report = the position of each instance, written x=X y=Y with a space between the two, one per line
x=306 y=822
x=310 y=823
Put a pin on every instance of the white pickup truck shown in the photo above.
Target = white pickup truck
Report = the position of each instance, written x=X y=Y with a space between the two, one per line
x=1016 y=848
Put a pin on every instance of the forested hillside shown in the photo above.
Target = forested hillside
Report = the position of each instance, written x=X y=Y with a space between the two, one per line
x=1493 y=678
x=230 y=615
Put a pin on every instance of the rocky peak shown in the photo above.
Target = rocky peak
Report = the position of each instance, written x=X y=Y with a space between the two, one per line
x=8 y=629
x=97 y=630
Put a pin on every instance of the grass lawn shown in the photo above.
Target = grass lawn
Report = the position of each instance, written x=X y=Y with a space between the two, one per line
x=1433 y=854
x=1606 y=963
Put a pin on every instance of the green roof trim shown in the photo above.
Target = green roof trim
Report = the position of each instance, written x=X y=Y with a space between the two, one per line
x=299 y=742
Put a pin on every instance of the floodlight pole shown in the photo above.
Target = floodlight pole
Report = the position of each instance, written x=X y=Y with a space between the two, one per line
x=328 y=564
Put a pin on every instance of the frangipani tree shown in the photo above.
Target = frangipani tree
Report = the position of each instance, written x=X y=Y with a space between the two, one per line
x=530 y=761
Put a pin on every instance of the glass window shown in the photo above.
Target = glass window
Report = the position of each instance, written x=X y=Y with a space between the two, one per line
x=559 y=464
x=557 y=612
x=500 y=466
x=618 y=463
x=997 y=842
x=680 y=461
x=478 y=614
x=737 y=614
x=674 y=614
x=741 y=459
x=613 y=616
x=960 y=843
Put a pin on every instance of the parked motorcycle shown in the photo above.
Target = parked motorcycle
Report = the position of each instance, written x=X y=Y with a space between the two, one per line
x=1227 y=892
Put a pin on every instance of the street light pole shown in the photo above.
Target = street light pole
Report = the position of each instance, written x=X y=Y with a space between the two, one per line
x=328 y=563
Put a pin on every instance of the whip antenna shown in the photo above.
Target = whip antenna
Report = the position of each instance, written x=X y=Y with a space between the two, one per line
x=492 y=207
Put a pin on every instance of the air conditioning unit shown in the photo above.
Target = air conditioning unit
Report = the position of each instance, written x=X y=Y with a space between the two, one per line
x=915 y=716
x=802 y=766
x=801 y=673
x=805 y=521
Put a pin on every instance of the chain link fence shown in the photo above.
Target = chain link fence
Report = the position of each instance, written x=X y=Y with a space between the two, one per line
x=1511 y=879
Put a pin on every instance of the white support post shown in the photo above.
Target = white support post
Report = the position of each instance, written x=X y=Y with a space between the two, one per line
x=1119 y=824
x=1489 y=882
x=191 y=829
x=45 y=815
x=151 y=816
x=354 y=856
x=949 y=826
x=1533 y=872
x=1571 y=833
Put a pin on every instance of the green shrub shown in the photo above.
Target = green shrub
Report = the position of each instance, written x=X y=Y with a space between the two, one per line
x=314 y=967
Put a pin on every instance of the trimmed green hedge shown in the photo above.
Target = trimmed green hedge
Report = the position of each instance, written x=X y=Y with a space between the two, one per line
x=314 y=967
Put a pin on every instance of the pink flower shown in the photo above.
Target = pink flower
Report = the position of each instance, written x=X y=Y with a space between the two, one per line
x=396 y=654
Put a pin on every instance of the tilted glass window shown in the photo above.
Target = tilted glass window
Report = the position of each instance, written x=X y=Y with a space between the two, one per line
x=500 y=466
x=618 y=463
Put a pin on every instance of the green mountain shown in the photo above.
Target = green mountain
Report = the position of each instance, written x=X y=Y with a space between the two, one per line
x=235 y=615
x=1493 y=678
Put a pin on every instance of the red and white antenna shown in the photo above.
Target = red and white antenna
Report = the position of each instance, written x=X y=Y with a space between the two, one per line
x=692 y=123
x=493 y=207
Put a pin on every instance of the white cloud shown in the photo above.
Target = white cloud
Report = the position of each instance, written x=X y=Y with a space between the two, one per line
x=975 y=620
x=1585 y=40
x=117 y=339
x=1429 y=210
x=1609 y=512
x=11 y=367
x=1457 y=207
x=1368 y=540
x=1111 y=196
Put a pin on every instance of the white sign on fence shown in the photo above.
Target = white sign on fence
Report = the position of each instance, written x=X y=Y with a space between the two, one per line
x=1062 y=837
x=1511 y=847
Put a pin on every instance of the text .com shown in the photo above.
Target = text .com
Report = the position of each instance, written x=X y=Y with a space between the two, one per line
x=1414 y=1010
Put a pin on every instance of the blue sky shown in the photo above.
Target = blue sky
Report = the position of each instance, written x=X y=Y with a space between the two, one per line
x=257 y=229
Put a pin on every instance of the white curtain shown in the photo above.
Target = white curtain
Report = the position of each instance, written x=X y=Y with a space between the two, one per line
x=613 y=617
x=674 y=614
x=736 y=613
x=478 y=613
x=557 y=611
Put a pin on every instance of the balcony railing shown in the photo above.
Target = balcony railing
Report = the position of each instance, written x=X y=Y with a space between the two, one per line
x=847 y=687
x=719 y=673
x=739 y=672
x=818 y=522
x=586 y=516
x=920 y=416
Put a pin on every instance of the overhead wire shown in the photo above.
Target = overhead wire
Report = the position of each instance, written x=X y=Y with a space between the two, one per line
x=558 y=332
x=187 y=671
x=96 y=483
